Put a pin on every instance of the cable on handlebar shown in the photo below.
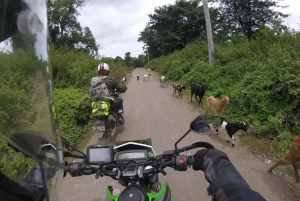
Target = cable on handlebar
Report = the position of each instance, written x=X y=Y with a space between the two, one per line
x=193 y=146
x=108 y=172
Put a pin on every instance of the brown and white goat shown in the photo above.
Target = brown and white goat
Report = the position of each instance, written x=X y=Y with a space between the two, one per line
x=216 y=104
x=292 y=156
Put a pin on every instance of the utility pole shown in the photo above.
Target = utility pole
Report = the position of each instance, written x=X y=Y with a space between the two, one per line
x=210 y=42
x=148 y=54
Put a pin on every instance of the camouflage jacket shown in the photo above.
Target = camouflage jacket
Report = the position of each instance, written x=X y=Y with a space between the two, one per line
x=113 y=84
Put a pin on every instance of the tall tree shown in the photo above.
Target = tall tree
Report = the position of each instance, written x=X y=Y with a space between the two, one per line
x=172 y=27
x=64 y=29
x=128 y=59
x=246 y=16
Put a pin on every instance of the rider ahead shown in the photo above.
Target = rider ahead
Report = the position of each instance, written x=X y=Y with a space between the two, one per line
x=28 y=120
x=107 y=94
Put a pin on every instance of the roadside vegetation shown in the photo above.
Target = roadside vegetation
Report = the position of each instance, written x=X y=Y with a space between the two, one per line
x=256 y=64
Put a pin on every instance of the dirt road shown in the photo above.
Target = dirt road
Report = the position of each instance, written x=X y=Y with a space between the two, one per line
x=152 y=112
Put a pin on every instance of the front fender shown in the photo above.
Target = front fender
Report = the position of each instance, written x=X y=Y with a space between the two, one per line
x=164 y=194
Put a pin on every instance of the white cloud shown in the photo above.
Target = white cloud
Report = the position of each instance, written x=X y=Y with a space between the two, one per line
x=293 y=9
x=116 y=24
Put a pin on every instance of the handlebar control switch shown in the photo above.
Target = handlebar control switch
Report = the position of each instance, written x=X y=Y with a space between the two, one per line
x=181 y=163
x=76 y=169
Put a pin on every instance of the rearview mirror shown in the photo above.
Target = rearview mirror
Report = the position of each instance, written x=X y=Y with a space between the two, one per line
x=205 y=124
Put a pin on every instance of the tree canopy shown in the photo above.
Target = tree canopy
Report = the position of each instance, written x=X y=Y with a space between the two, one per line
x=172 y=27
x=246 y=16
x=65 y=30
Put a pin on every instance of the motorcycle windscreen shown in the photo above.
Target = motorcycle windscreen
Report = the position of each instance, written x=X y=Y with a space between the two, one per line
x=30 y=142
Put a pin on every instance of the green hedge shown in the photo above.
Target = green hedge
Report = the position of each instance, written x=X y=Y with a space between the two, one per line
x=260 y=77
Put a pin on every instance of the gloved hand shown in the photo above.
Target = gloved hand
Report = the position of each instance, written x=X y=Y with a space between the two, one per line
x=225 y=181
x=199 y=157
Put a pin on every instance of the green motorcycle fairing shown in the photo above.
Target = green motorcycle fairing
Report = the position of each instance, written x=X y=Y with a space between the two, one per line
x=164 y=194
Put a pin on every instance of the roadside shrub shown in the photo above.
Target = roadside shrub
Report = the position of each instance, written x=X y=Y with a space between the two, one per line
x=74 y=109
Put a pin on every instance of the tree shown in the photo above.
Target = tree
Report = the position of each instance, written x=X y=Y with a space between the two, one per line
x=138 y=62
x=172 y=27
x=119 y=60
x=246 y=16
x=143 y=58
x=65 y=30
x=128 y=59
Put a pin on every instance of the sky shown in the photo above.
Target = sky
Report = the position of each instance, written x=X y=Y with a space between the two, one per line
x=116 y=24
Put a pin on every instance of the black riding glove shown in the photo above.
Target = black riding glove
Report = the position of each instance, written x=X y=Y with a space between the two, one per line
x=198 y=164
x=225 y=181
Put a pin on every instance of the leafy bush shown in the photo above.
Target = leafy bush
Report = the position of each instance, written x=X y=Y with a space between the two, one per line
x=74 y=109
x=260 y=77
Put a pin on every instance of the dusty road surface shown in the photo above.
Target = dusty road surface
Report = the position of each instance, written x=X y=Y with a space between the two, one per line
x=153 y=112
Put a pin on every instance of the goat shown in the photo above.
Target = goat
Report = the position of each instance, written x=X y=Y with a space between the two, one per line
x=163 y=80
x=292 y=156
x=174 y=89
x=148 y=69
x=198 y=91
x=216 y=104
x=146 y=77
x=232 y=128
x=178 y=88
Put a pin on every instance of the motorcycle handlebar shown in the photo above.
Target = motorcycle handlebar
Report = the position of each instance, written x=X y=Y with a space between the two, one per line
x=79 y=169
x=179 y=163
x=169 y=158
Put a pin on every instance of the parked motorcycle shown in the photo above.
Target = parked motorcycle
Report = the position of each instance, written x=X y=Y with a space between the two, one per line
x=105 y=125
x=136 y=166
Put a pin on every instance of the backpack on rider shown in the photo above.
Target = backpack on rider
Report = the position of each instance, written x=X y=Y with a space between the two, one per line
x=100 y=96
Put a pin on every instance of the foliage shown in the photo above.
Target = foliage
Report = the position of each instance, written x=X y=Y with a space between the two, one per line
x=131 y=61
x=119 y=60
x=72 y=73
x=22 y=106
x=260 y=77
x=23 y=102
x=74 y=109
x=65 y=30
x=12 y=164
x=72 y=67
x=246 y=17
x=172 y=27
x=128 y=59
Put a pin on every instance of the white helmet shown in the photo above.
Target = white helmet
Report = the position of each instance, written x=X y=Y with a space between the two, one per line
x=103 y=66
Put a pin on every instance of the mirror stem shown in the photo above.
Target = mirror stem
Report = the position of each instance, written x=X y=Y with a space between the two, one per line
x=182 y=138
x=66 y=143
